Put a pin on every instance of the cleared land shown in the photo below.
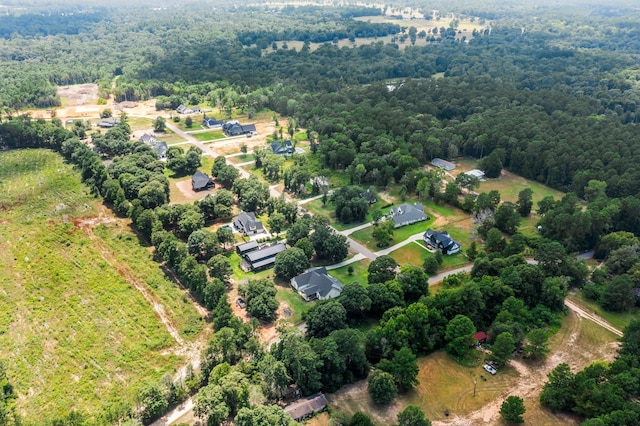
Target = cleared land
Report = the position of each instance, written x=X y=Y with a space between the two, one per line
x=445 y=384
x=86 y=316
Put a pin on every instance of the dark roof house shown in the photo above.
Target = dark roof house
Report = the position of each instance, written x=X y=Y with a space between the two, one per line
x=265 y=257
x=200 y=181
x=246 y=247
x=316 y=284
x=406 y=214
x=307 y=407
x=442 y=241
x=282 y=148
x=161 y=149
x=248 y=224
x=369 y=196
x=212 y=123
x=233 y=128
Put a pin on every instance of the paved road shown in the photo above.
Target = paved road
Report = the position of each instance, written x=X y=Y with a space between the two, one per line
x=204 y=148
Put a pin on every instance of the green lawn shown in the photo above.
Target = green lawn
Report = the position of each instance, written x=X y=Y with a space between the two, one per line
x=509 y=184
x=360 y=272
x=297 y=305
x=76 y=331
x=208 y=135
x=241 y=158
x=412 y=254
x=170 y=137
x=139 y=123
x=240 y=275
x=365 y=236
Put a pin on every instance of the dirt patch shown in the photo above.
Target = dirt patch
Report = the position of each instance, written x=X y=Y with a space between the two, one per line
x=79 y=94
x=187 y=192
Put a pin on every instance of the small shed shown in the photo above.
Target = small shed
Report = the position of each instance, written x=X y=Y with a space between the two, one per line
x=481 y=337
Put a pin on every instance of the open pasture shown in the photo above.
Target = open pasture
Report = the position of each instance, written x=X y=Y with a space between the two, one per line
x=86 y=316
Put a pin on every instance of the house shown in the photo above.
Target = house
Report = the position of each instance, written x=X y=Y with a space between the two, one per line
x=316 y=284
x=212 y=123
x=245 y=248
x=265 y=257
x=476 y=173
x=161 y=149
x=442 y=164
x=248 y=224
x=196 y=110
x=480 y=337
x=148 y=139
x=108 y=122
x=201 y=181
x=442 y=241
x=234 y=128
x=307 y=407
x=282 y=148
x=406 y=214
x=183 y=109
x=369 y=196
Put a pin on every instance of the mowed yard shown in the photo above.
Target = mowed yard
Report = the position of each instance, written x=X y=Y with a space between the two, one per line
x=77 y=327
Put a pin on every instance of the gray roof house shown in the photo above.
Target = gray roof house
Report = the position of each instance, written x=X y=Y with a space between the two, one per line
x=307 y=407
x=442 y=241
x=148 y=139
x=265 y=257
x=212 y=123
x=161 y=149
x=248 y=224
x=443 y=164
x=201 y=181
x=108 y=122
x=182 y=109
x=316 y=284
x=407 y=214
x=282 y=148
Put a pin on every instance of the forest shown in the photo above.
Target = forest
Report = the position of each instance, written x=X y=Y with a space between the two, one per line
x=553 y=99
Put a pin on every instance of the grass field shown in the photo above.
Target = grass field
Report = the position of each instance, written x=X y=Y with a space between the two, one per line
x=296 y=304
x=360 y=272
x=208 y=135
x=241 y=158
x=411 y=254
x=509 y=184
x=365 y=236
x=170 y=137
x=618 y=320
x=77 y=328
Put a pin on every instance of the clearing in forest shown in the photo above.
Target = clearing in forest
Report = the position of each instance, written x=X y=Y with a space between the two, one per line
x=445 y=384
x=86 y=316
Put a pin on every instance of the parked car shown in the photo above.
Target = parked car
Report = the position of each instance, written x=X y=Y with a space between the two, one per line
x=240 y=304
x=490 y=369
